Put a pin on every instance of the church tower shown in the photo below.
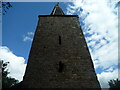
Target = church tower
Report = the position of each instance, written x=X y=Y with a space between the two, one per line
x=59 y=56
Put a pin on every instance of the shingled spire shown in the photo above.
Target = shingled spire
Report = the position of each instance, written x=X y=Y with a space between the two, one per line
x=57 y=10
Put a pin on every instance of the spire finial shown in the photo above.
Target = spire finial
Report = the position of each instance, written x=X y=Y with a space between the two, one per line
x=57 y=3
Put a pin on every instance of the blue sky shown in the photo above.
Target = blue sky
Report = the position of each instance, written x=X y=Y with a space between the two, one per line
x=20 y=21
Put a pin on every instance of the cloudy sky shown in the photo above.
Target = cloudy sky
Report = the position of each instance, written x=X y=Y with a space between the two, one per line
x=99 y=21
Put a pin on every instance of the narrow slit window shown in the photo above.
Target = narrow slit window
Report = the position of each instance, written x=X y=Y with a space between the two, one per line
x=60 y=40
x=61 y=66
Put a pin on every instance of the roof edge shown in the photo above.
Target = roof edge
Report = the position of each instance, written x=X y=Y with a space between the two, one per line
x=57 y=15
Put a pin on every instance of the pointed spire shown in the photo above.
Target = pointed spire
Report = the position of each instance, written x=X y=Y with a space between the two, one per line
x=57 y=10
x=57 y=4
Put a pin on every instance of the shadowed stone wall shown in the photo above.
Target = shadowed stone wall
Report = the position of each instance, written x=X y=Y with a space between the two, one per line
x=59 y=44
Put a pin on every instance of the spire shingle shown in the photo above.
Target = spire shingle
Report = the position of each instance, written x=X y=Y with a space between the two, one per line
x=57 y=10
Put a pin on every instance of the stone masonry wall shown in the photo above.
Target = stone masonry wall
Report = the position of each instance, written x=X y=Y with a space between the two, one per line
x=59 y=38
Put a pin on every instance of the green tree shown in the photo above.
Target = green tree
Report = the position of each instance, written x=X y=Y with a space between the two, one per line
x=7 y=82
x=114 y=83
x=4 y=6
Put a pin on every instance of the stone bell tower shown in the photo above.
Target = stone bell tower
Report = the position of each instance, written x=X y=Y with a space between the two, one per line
x=59 y=56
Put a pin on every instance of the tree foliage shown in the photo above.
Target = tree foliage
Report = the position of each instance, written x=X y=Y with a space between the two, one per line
x=114 y=83
x=5 y=6
x=7 y=82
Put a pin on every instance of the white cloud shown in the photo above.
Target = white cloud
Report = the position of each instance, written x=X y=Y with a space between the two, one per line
x=104 y=77
x=28 y=37
x=107 y=55
x=91 y=43
x=16 y=65
x=30 y=33
x=100 y=18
